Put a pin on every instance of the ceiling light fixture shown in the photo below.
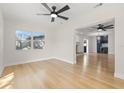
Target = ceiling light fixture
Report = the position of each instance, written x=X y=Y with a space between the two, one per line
x=99 y=30
x=53 y=15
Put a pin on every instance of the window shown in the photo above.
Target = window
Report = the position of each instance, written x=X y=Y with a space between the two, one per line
x=27 y=40
x=38 y=40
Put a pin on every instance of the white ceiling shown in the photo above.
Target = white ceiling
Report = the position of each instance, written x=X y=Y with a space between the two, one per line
x=26 y=12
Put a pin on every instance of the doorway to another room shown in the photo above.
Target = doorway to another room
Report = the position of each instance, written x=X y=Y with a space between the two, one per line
x=85 y=46
x=102 y=44
x=96 y=44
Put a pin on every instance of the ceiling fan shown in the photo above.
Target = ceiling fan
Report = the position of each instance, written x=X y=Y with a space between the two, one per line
x=53 y=13
x=101 y=27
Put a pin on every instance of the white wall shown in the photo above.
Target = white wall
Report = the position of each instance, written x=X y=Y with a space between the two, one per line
x=1 y=43
x=13 y=56
x=92 y=44
x=79 y=43
x=63 y=51
x=79 y=47
x=111 y=43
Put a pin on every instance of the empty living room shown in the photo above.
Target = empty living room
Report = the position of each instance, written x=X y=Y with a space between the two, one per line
x=51 y=45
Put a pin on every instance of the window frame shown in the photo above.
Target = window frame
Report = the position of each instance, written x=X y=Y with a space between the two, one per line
x=31 y=40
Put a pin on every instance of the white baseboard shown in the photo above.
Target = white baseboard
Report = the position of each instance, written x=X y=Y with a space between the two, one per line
x=119 y=75
x=30 y=61
x=1 y=71
x=42 y=59
x=67 y=61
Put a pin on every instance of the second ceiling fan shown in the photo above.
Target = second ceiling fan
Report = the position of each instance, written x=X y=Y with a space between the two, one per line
x=103 y=27
x=53 y=13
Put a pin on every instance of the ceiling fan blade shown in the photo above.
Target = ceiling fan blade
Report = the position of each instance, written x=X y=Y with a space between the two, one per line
x=42 y=14
x=103 y=29
x=52 y=19
x=46 y=6
x=65 y=18
x=108 y=26
x=63 y=9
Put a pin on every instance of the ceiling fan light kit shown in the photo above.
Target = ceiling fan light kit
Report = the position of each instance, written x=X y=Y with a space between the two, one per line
x=53 y=15
x=99 y=30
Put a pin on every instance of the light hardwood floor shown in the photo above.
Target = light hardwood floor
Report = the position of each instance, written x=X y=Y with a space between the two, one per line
x=91 y=71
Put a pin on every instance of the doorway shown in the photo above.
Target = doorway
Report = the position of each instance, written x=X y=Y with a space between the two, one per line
x=102 y=44
x=85 y=46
